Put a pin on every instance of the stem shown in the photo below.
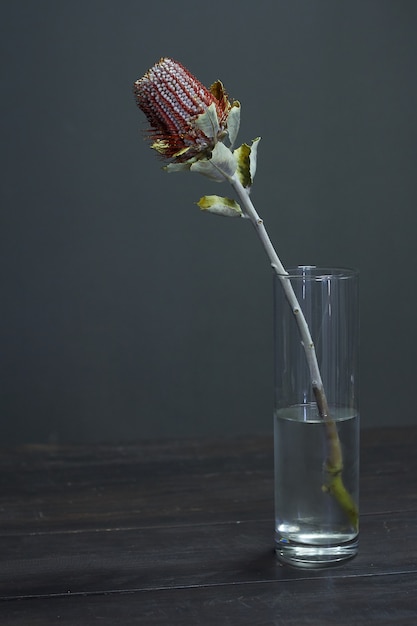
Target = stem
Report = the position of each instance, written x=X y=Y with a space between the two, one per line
x=334 y=463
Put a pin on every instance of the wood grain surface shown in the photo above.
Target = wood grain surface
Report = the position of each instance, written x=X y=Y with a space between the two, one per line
x=181 y=532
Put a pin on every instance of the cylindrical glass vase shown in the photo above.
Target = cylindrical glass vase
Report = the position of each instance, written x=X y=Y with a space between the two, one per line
x=316 y=431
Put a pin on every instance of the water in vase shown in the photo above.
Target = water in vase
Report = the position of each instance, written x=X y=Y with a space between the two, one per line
x=311 y=528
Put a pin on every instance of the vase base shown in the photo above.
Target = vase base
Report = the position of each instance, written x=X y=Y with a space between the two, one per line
x=313 y=555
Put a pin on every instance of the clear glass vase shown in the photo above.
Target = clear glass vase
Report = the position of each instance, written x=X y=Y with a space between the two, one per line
x=316 y=451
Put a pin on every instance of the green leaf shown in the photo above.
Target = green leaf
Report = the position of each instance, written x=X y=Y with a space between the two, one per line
x=242 y=155
x=208 y=122
x=220 y=206
x=246 y=162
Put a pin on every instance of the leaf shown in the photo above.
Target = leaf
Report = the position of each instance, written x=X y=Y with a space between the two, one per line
x=246 y=162
x=208 y=122
x=160 y=146
x=233 y=122
x=253 y=157
x=220 y=167
x=178 y=167
x=219 y=92
x=205 y=167
x=220 y=206
x=242 y=155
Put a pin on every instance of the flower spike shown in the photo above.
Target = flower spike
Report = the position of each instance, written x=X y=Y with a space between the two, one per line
x=186 y=118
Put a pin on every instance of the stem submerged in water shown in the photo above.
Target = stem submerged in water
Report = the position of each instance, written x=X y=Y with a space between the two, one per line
x=334 y=462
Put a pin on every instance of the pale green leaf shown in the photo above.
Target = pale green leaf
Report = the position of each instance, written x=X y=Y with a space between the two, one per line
x=206 y=168
x=252 y=157
x=220 y=167
x=220 y=206
x=222 y=158
x=178 y=167
x=233 y=122
x=208 y=122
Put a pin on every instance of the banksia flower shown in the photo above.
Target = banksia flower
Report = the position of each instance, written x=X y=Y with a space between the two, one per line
x=195 y=129
x=186 y=118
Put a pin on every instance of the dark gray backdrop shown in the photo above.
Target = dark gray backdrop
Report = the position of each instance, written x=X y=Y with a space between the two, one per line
x=125 y=312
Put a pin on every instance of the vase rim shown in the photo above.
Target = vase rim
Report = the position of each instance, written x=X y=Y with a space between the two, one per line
x=319 y=272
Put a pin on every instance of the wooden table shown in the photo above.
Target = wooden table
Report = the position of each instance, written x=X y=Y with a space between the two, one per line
x=181 y=533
